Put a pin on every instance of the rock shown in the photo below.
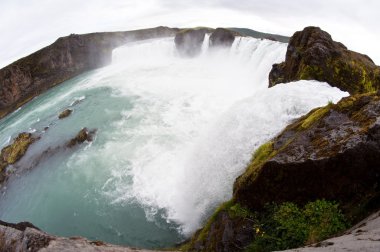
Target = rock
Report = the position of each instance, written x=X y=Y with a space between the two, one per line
x=82 y=136
x=222 y=38
x=189 y=42
x=223 y=233
x=65 y=113
x=313 y=55
x=64 y=59
x=331 y=153
x=24 y=237
x=14 y=152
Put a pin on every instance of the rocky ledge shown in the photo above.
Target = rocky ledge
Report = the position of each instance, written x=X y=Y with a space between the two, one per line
x=313 y=55
x=320 y=174
x=24 y=237
x=64 y=59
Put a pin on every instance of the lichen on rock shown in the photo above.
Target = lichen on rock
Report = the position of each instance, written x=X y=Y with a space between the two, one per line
x=313 y=55
x=14 y=152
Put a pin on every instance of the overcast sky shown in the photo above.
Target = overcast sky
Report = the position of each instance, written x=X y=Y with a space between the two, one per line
x=28 y=25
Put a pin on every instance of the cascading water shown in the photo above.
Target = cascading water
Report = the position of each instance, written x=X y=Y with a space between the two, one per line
x=173 y=134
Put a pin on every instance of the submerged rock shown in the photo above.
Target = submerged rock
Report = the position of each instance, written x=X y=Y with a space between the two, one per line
x=222 y=38
x=189 y=42
x=82 y=136
x=313 y=55
x=65 y=113
x=14 y=152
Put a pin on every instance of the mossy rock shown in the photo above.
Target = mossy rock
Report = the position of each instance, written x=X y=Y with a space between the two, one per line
x=65 y=113
x=330 y=153
x=313 y=55
x=12 y=153
x=82 y=136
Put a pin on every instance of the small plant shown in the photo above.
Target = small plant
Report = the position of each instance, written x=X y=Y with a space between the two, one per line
x=288 y=226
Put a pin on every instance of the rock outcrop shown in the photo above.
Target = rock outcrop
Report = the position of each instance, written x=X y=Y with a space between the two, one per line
x=13 y=152
x=24 y=237
x=313 y=55
x=189 y=41
x=82 y=136
x=64 y=59
x=222 y=38
x=65 y=113
x=331 y=153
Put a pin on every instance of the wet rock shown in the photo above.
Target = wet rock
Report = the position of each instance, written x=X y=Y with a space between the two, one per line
x=331 y=153
x=66 y=58
x=65 y=113
x=313 y=55
x=189 y=42
x=82 y=136
x=27 y=238
x=14 y=152
x=222 y=38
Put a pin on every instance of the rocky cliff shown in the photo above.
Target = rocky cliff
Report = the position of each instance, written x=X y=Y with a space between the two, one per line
x=313 y=55
x=65 y=58
x=331 y=154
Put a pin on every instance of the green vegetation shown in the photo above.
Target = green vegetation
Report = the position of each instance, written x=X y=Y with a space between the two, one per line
x=12 y=153
x=288 y=226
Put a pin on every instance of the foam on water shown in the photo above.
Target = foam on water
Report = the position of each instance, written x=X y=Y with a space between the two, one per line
x=173 y=134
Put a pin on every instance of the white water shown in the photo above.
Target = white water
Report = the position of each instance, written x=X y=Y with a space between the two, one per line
x=174 y=133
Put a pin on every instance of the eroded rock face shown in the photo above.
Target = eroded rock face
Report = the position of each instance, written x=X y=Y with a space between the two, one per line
x=24 y=237
x=64 y=59
x=331 y=153
x=313 y=55
x=189 y=41
x=222 y=38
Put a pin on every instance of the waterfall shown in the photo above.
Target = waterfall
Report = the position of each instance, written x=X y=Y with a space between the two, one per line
x=173 y=134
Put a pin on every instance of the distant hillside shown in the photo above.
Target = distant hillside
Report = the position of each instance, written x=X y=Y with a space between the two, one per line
x=256 y=34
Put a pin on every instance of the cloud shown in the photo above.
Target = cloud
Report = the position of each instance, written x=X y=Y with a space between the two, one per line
x=28 y=25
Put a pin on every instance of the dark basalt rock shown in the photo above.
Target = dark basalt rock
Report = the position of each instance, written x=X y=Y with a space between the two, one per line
x=82 y=136
x=222 y=38
x=189 y=41
x=64 y=59
x=65 y=113
x=313 y=55
x=331 y=153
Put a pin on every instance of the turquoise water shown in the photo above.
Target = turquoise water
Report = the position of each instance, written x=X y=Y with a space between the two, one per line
x=172 y=136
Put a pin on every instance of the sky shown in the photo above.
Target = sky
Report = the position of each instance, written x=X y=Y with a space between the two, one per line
x=28 y=25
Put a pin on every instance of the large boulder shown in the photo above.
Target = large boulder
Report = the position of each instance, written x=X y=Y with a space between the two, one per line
x=189 y=42
x=222 y=38
x=332 y=153
x=313 y=55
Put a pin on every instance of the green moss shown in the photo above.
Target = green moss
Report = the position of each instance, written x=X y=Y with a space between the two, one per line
x=315 y=116
x=205 y=230
x=261 y=155
x=310 y=72
x=12 y=153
